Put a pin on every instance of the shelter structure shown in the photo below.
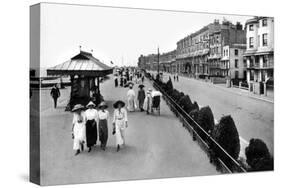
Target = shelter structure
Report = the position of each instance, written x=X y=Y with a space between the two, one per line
x=85 y=72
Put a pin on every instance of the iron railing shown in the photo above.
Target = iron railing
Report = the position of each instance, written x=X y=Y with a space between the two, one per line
x=217 y=154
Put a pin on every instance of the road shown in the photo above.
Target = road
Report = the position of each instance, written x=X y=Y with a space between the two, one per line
x=254 y=118
x=157 y=146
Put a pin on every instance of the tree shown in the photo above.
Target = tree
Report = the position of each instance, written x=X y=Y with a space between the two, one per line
x=258 y=156
x=206 y=118
x=226 y=134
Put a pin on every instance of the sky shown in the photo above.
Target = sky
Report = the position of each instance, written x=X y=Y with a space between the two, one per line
x=115 y=34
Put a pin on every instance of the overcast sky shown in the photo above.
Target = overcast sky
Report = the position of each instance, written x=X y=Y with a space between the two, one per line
x=113 y=33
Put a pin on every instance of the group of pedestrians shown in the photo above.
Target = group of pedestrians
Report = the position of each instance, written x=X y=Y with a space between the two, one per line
x=90 y=123
x=125 y=76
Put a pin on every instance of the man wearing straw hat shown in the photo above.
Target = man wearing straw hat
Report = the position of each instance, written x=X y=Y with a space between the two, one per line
x=103 y=116
x=78 y=128
x=91 y=116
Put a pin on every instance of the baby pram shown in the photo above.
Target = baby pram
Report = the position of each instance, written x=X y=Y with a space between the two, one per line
x=156 y=100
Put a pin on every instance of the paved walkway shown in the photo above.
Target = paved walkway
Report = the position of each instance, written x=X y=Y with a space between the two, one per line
x=157 y=147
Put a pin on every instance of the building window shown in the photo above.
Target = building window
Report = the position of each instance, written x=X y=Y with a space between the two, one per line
x=236 y=74
x=264 y=39
x=236 y=52
x=264 y=22
x=252 y=75
x=251 y=27
x=245 y=63
x=251 y=42
x=236 y=63
x=265 y=60
x=259 y=38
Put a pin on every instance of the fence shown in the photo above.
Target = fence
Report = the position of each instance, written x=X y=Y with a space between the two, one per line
x=216 y=153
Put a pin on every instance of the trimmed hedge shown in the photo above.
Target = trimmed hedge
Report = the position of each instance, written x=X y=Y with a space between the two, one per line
x=258 y=156
x=226 y=134
x=169 y=87
x=206 y=119
x=185 y=103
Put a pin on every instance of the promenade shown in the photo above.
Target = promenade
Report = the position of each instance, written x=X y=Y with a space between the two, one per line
x=157 y=146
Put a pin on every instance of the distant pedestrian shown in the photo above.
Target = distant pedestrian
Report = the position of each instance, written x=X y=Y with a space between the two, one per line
x=116 y=81
x=121 y=81
x=103 y=116
x=174 y=77
x=142 y=78
x=91 y=117
x=55 y=93
x=78 y=128
x=148 y=102
x=177 y=77
x=131 y=98
x=141 y=97
x=120 y=123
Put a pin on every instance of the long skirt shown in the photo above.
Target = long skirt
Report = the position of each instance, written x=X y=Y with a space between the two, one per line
x=141 y=101
x=131 y=104
x=91 y=133
x=103 y=131
x=120 y=132
x=79 y=135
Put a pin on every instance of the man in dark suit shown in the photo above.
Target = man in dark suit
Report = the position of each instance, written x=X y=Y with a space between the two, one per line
x=55 y=93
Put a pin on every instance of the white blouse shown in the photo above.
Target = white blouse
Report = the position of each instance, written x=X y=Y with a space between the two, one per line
x=76 y=117
x=91 y=114
x=120 y=115
x=103 y=114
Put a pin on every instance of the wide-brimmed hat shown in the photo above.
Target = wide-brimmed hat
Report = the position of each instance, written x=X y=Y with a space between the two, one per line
x=115 y=105
x=141 y=86
x=103 y=104
x=91 y=104
x=77 y=107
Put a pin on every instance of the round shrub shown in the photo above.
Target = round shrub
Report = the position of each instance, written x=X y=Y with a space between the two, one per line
x=206 y=118
x=185 y=103
x=226 y=134
x=258 y=156
x=169 y=87
x=194 y=115
x=181 y=95
x=195 y=106
x=175 y=95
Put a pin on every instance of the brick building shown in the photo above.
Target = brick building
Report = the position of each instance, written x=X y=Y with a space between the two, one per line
x=226 y=34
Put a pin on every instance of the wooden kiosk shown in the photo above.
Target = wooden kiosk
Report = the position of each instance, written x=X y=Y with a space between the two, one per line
x=85 y=73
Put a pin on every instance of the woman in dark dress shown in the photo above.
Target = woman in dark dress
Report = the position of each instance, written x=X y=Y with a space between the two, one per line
x=141 y=97
x=91 y=116
x=103 y=116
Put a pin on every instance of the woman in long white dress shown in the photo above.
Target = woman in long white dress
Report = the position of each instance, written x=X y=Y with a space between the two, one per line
x=78 y=128
x=131 y=96
x=120 y=123
x=147 y=105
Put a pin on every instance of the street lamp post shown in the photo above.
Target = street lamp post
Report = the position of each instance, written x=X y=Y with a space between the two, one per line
x=158 y=58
